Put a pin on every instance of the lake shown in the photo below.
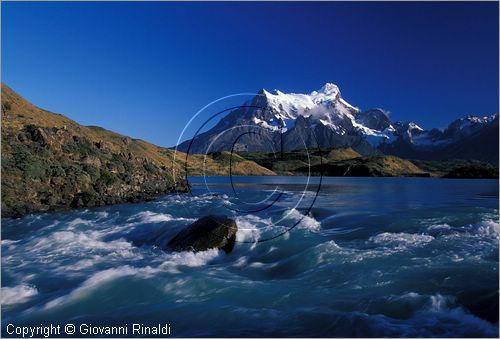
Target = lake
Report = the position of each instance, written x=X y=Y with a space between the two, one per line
x=323 y=257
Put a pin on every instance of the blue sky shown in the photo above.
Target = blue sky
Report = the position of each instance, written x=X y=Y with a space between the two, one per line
x=143 y=69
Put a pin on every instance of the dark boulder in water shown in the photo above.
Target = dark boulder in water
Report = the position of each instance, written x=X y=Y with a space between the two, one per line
x=483 y=304
x=205 y=233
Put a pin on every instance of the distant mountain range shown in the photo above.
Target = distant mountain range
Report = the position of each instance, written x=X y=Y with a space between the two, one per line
x=323 y=118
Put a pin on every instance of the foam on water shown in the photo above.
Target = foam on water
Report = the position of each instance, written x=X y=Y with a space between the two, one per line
x=10 y=243
x=331 y=252
x=488 y=228
x=70 y=243
x=171 y=263
x=439 y=227
x=151 y=217
x=401 y=240
x=93 y=283
x=190 y=259
x=377 y=270
x=17 y=294
x=79 y=222
x=250 y=227
x=305 y=221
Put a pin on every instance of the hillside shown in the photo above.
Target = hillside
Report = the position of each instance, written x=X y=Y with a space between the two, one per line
x=342 y=154
x=335 y=162
x=50 y=162
x=222 y=163
x=383 y=166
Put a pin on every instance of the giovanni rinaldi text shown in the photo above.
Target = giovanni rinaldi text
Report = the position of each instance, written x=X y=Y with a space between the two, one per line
x=50 y=330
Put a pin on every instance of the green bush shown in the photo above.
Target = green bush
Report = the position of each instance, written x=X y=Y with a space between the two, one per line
x=80 y=145
x=37 y=169
x=6 y=106
x=107 y=178
x=150 y=168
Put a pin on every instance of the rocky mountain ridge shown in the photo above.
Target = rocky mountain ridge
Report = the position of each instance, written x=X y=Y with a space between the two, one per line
x=324 y=119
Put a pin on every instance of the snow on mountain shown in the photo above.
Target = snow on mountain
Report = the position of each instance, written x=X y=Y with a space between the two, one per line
x=291 y=105
x=327 y=107
x=456 y=130
x=326 y=119
x=467 y=125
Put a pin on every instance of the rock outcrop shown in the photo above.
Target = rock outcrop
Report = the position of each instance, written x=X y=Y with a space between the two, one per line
x=208 y=232
x=50 y=162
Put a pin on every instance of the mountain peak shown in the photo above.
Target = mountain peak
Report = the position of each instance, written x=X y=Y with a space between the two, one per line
x=291 y=105
x=329 y=89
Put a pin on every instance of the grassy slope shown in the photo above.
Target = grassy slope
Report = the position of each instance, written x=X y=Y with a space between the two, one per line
x=23 y=113
x=51 y=162
x=335 y=162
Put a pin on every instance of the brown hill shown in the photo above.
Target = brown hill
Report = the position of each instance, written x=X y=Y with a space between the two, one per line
x=50 y=162
x=338 y=154
x=335 y=162
x=383 y=166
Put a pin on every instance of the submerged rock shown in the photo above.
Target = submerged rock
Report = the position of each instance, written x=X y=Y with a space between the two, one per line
x=483 y=304
x=205 y=233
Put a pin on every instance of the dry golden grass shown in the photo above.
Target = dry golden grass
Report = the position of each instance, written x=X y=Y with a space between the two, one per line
x=342 y=154
x=399 y=166
x=199 y=164
x=22 y=113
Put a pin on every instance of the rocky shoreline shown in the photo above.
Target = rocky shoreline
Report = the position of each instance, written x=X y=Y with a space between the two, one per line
x=48 y=169
x=51 y=163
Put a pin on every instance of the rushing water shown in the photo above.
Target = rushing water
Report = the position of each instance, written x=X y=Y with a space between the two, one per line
x=373 y=257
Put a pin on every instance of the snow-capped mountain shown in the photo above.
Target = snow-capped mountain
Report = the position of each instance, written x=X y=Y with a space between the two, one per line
x=326 y=107
x=324 y=118
x=465 y=138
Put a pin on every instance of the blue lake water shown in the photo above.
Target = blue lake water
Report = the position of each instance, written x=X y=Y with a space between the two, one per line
x=354 y=257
